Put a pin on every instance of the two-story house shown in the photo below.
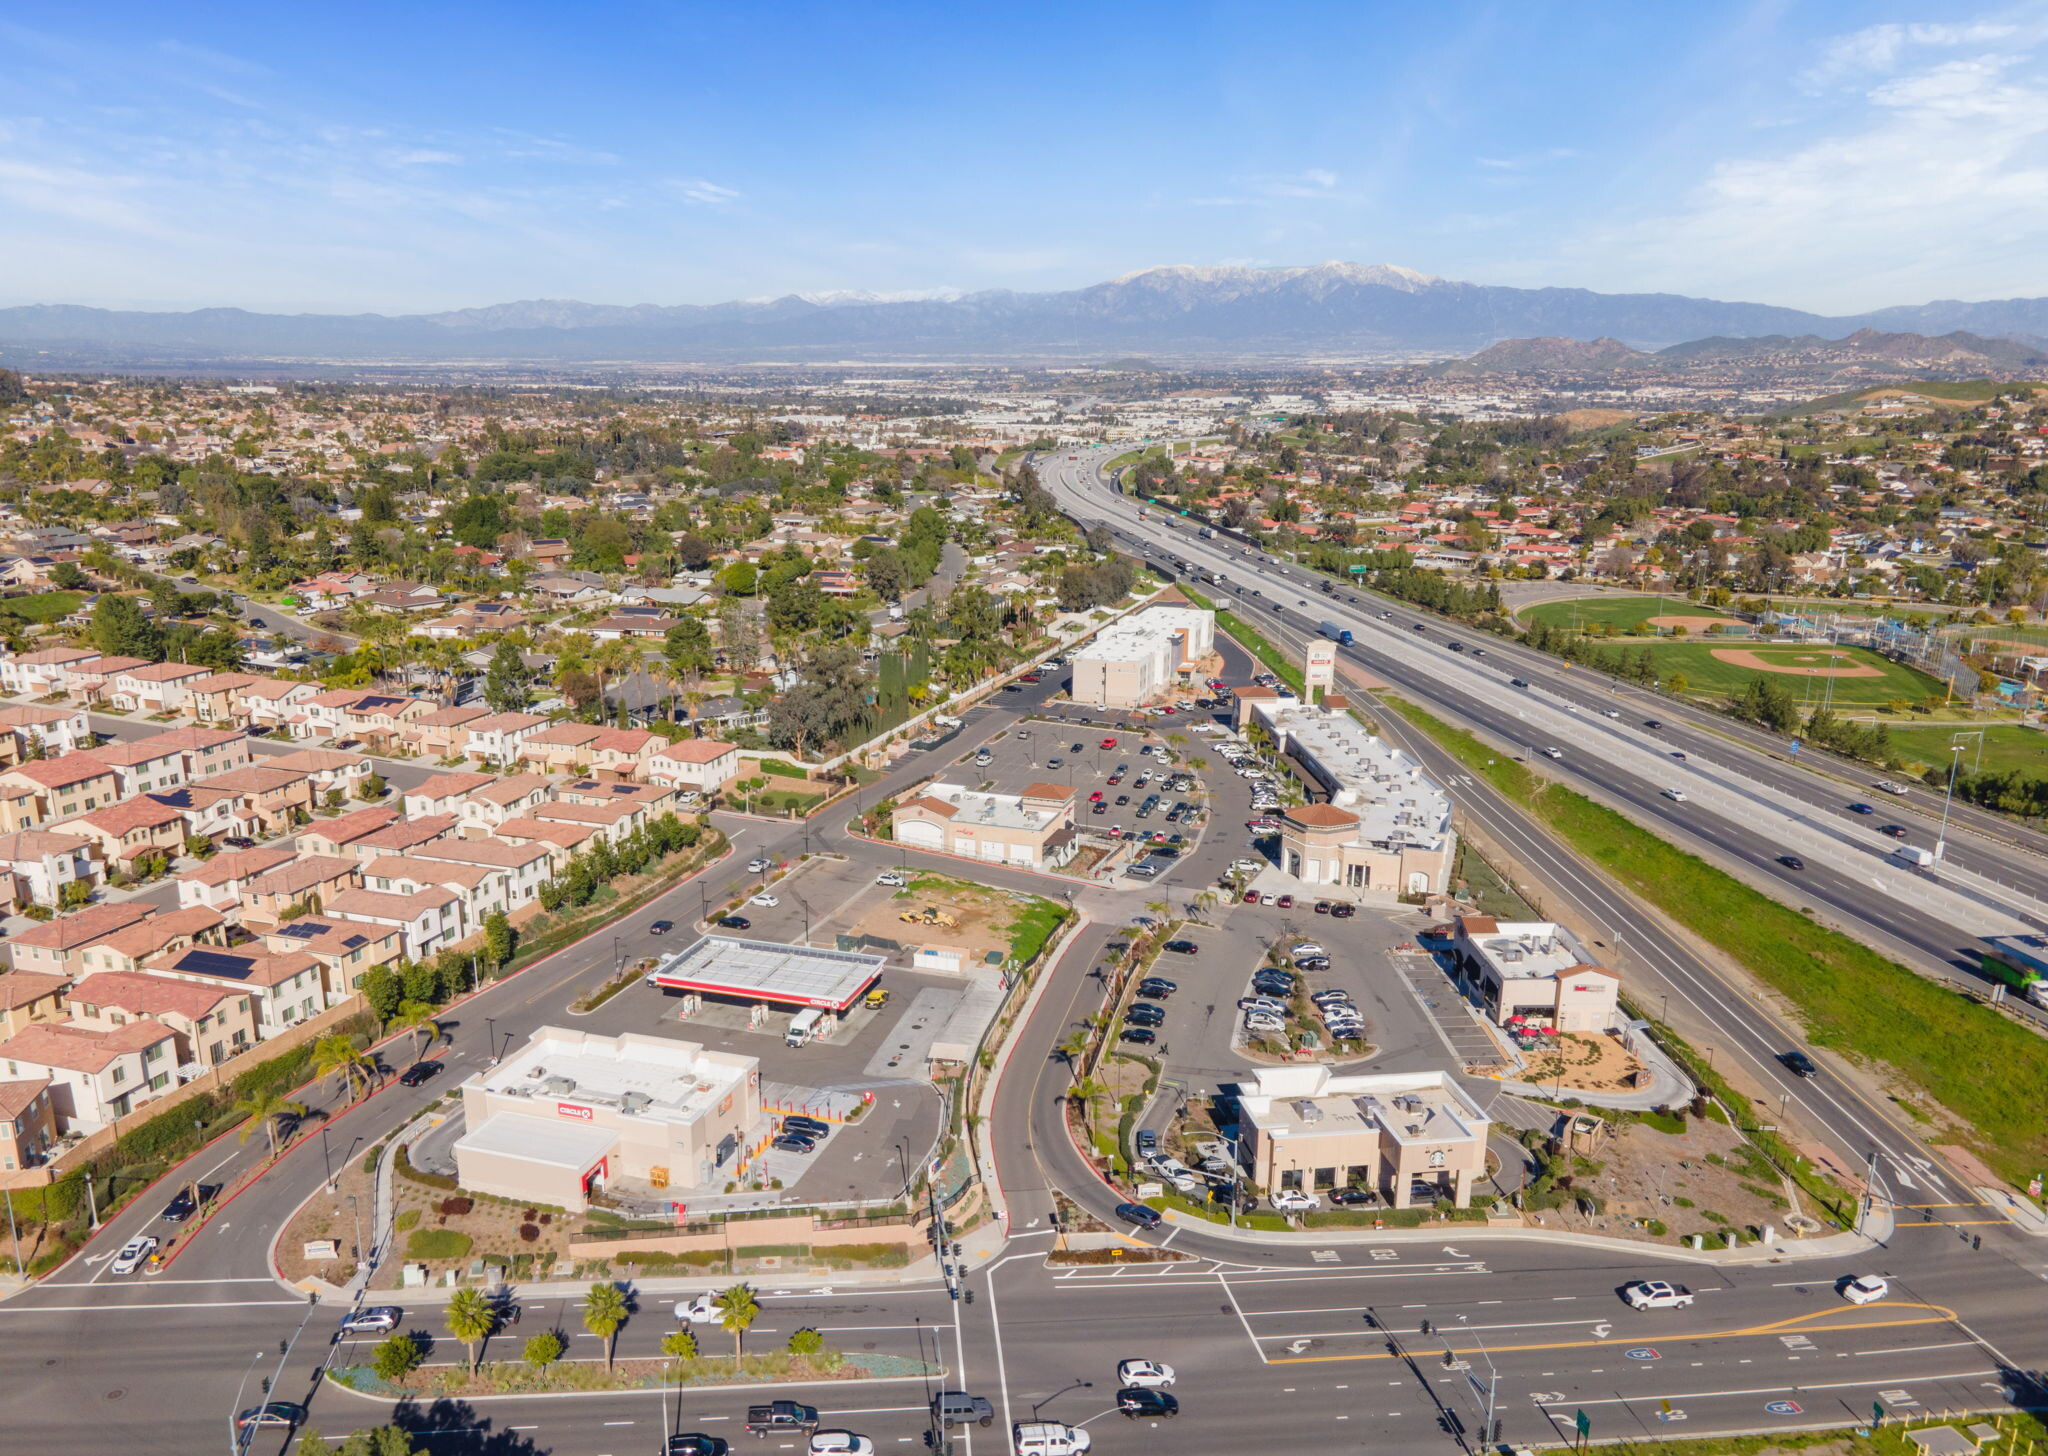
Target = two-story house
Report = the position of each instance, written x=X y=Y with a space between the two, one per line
x=141 y=765
x=43 y=731
x=496 y=739
x=211 y=1023
x=271 y=797
x=344 y=948
x=218 y=883
x=159 y=687
x=96 y=1077
x=38 y=674
x=56 y=788
x=490 y=804
x=704 y=765
x=36 y=865
x=429 y=919
x=310 y=880
x=526 y=866
x=28 y=1123
x=443 y=793
x=283 y=988
x=53 y=948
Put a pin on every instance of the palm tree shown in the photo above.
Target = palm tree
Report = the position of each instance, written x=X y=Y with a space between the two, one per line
x=679 y=1345
x=737 y=1311
x=337 y=1054
x=429 y=1031
x=604 y=1311
x=471 y=1320
x=268 y=1108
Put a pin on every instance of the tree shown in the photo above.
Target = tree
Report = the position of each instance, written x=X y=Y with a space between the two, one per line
x=737 y=1311
x=604 y=1311
x=372 y=788
x=679 y=1344
x=266 y=1109
x=428 y=1030
x=381 y=1441
x=806 y=1342
x=544 y=1349
x=687 y=648
x=500 y=939
x=508 y=687
x=66 y=576
x=397 y=1356
x=471 y=1320
x=383 y=990
x=353 y=1069
x=120 y=630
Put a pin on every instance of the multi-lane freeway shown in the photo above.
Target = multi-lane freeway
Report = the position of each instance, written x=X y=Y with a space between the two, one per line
x=1345 y=1340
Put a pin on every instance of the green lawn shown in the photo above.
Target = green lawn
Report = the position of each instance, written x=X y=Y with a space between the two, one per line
x=1624 y=614
x=1706 y=673
x=2006 y=746
x=43 y=606
x=783 y=801
x=1989 y=1071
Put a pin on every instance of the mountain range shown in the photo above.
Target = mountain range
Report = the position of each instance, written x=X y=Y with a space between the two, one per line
x=1330 y=311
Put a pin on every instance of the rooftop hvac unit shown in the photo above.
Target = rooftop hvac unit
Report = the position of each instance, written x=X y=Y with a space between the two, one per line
x=560 y=1086
x=1307 y=1111
x=635 y=1102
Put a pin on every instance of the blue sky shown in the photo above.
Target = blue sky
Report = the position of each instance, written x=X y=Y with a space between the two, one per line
x=399 y=158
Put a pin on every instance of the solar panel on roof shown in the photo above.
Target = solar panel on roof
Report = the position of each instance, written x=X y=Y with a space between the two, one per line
x=216 y=963
x=300 y=930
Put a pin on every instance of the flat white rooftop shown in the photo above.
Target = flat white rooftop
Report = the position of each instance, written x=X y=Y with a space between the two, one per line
x=1530 y=950
x=1147 y=632
x=634 y=1075
x=1396 y=803
x=990 y=811
x=762 y=970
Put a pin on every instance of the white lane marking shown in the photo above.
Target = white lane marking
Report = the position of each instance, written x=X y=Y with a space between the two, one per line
x=132 y=1308
x=1231 y=1295
x=1913 y=1349
x=1756 y=1390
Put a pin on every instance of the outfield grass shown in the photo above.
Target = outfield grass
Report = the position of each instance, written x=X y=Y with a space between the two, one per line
x=1624 y=614
x=2006 y=746
x=1990 y=1072
x=1706 y=673
x=43 y=606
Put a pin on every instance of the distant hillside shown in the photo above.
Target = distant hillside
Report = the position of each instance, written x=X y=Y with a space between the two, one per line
x=1953 y=353
x=1551 y=355
x=1941 y=394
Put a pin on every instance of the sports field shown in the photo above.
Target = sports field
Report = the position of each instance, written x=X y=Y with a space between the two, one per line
x=2006 y=746
x=1859 y=678
x=1625 y=614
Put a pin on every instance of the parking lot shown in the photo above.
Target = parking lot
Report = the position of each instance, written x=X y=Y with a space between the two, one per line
x=1115 y=775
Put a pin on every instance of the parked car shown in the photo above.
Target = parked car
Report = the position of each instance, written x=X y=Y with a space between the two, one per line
x=1144 y=1013
x=759 y=864
x=1138 y=1035
x=1294 y=1200
x=809 y=1127
x=1183 y=947
x=892 y=878
x=734 y=922
x=1352 y=1197
x=766 y=900
x=791 y=1142
x=1156 y=988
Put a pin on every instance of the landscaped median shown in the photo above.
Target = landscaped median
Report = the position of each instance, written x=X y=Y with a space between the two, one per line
x=1985 y=1071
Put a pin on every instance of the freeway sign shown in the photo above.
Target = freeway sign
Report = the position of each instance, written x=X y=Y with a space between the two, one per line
x=1583 y=1422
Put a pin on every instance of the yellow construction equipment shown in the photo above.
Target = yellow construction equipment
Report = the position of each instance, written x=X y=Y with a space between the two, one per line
x=930 y=915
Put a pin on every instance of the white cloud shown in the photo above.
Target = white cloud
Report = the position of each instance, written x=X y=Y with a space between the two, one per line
x=424 y=157
x=1938 y=187
x=1878 y=50
x=707 y=192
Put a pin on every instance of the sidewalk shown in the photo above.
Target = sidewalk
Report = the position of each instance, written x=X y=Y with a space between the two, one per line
x=1456 y=1235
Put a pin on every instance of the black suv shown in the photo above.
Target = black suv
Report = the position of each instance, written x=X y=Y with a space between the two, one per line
x=1799 y=1064
x=1138 y=1402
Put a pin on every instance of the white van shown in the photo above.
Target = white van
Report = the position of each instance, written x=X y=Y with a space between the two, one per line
x=1914 y=855
x=1049 y=1438
x=803 y=1026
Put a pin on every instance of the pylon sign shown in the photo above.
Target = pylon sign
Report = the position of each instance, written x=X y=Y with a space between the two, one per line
x=1320 y=674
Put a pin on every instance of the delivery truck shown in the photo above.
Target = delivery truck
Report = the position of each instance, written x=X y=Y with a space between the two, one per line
x=1335 y=633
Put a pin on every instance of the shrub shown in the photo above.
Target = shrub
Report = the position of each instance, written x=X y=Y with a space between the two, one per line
x=529 y=1233
x=437 y=1244
x=454 y=1207
x=806 y=1342
x=406 y=1222
x=397 y=1357
x=544 y=1349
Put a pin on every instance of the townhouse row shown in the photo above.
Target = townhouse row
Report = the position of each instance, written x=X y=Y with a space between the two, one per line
x=108 y=1008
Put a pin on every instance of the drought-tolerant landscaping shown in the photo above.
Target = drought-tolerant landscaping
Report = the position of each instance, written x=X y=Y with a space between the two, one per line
x=1852 y=999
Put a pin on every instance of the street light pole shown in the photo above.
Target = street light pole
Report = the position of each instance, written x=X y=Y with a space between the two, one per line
x=1492 y=1381
x=491 y=1030
x=1955 y=758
